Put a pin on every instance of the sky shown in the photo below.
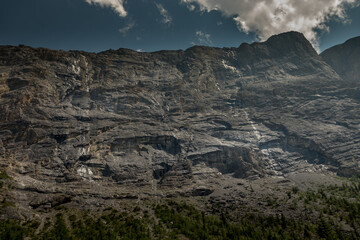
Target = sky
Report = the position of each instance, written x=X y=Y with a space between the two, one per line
x=152 y=25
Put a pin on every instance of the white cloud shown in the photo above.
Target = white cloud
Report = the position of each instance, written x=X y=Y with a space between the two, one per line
x=127 y=28
x=269 y=17
x=203 y=38
x=166 y=18
x=191 y=7
x=116 y=5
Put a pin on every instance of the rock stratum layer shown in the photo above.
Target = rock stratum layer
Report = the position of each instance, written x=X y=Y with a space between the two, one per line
x=86 y=126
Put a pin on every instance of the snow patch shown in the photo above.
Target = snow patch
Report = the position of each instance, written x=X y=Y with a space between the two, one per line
x=231 y=68
x=85 y=172
x=84 y=151
x=75 y=67
x=252 y=124
x=231 y=54
x=218 y=86
x=272 y=163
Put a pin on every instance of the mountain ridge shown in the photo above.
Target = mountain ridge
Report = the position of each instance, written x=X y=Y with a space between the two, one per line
x=288 y=35
x=343 y=58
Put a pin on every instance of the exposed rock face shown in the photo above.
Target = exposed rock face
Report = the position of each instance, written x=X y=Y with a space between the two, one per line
x=116 y=123
x=344 y=59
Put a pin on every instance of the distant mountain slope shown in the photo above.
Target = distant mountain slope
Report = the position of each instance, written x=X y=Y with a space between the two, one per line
x=345 y=59
x=93 y=128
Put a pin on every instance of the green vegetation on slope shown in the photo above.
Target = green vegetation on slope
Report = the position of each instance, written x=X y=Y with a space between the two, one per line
x=332 y=212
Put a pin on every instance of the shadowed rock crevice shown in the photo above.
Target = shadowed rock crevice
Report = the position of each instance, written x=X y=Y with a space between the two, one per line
x=241 y=162
x=168 y=144
x=16 y=83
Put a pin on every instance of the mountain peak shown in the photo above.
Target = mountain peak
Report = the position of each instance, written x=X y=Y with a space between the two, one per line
x=291 y=42
x=355 y=40
x=282 y=45
x=292 y=35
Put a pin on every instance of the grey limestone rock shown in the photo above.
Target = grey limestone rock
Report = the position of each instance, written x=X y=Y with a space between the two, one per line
x=122 y=123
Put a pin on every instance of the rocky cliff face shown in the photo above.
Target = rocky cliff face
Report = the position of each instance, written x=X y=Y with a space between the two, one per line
x=344 y=59
x=119 y=124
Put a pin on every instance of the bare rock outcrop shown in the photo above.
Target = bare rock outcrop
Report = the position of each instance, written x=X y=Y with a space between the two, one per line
x=120 y=123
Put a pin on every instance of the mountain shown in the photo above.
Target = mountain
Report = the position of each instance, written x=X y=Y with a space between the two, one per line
x=84 y=129
x=344 y=59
